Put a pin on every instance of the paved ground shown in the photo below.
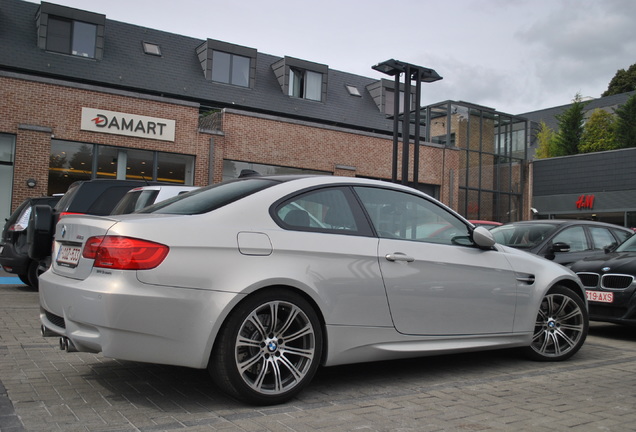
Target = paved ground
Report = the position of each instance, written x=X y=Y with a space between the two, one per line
x=45 y=389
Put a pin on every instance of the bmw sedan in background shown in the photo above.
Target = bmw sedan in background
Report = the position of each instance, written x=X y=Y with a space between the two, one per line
x=609 y=284
x=261 y=280
x=562 y=241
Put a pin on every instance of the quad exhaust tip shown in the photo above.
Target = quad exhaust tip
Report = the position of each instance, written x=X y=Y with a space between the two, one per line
x=67 y=345
x=46 y=332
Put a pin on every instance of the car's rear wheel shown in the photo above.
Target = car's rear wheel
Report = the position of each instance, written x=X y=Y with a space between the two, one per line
x=268 y=349
x=25 y=279
x=33 y=274
x=561 y=326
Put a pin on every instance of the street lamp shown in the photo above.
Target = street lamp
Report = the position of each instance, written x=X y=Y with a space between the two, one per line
x=418 y=74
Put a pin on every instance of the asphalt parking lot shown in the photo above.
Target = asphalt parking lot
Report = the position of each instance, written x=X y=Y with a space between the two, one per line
x=45 y=389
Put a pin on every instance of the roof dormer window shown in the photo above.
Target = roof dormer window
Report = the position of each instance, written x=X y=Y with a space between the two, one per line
x=227 y=63
x=302 y=79
x=305 y=84
x=70 y=31
x=230 y=68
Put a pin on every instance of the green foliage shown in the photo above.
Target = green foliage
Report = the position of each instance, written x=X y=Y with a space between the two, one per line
x=623 y=81
x=626 y=123
x=546 y=142
x=568 y=137
x=599 y=132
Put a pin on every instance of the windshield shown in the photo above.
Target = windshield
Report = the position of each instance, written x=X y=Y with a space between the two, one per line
x=210 y=198
x=522 y=236
x=628 y=245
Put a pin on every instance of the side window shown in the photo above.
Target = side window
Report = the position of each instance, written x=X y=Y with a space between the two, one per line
x=573 y=236
x=404 y=216
x=324 y=209
x=602 y=237
x=622 y=235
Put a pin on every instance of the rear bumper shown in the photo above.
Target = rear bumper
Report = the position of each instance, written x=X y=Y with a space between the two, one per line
x=12 y=261
x=119 y=316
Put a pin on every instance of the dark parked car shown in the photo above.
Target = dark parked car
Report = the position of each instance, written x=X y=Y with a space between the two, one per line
x=94 y=197
x=563 y=241
x=609 y=284
x=14 y=257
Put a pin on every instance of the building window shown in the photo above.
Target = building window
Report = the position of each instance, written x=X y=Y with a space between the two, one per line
x=230 y=68
x=71 y=37
x=7 y=152
x=305 y=84
x=71 y=161
x=228 y=63
x=302 y=79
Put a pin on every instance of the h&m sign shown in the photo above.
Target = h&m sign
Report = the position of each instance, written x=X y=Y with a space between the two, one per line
x=117 y=123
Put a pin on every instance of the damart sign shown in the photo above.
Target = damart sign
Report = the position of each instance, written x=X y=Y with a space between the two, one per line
x=127 y=124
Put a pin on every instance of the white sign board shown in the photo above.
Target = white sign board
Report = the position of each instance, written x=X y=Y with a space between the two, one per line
x=117 y=123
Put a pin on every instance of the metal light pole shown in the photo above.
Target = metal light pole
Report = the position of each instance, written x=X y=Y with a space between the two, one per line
x=411 y=73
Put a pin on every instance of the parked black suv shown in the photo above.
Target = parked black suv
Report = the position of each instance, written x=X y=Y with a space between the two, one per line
x=14 y=257
x=94 y=197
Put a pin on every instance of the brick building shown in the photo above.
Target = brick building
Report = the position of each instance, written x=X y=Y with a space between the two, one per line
x=87 y=97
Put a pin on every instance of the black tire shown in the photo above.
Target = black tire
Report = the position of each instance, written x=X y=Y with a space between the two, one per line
x=268 y=349
x=40 y=232
x=25 y=279
x=561 y=326
x=33 y=274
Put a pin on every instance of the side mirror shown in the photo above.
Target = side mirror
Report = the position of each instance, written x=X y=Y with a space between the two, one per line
x=560 y=247
x=483 y=238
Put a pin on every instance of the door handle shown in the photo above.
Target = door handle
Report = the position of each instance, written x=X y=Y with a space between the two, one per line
x=399 y=256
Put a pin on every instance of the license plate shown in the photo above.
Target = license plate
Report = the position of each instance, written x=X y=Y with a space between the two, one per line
x=600 y=296
x=69 y=256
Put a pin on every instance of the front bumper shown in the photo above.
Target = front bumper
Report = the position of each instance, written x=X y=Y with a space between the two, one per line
x=113 y=313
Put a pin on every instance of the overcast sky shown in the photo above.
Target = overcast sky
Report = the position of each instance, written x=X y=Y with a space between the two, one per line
x=512 y=55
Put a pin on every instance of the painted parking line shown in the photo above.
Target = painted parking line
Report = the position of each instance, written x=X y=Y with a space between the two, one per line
x=10 y=281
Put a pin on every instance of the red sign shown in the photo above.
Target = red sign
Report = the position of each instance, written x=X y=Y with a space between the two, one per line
x=585 y=202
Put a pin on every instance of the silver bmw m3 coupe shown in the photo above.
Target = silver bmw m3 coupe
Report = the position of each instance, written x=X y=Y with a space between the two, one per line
x=262 y=280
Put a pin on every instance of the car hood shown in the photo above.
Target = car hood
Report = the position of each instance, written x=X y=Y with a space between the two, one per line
x=618 y=262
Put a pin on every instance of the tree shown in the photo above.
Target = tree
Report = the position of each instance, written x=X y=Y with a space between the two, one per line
x=599 y=132
x=546 y=142
x=623 y=81
x=568 y=137
x=626 y=123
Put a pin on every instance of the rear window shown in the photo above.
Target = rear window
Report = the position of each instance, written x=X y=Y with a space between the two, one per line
x=210 y=198
x=135 y=200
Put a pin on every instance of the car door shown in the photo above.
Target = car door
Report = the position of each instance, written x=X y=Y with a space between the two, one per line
x=437 y=281
x=580 y=245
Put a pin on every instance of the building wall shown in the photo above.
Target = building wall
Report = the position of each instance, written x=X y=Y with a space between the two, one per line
x=38 y=111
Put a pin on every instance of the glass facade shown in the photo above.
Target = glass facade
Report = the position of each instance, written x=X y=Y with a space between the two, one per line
x=493 y=144
x=72 y=161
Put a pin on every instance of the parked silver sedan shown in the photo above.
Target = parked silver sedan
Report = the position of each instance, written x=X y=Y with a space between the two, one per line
x=264 y=279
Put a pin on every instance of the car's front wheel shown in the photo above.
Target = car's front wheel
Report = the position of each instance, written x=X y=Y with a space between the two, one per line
x=561 y=326
x=268 y=349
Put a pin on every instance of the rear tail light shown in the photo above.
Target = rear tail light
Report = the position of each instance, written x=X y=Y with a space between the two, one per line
x=124 y=253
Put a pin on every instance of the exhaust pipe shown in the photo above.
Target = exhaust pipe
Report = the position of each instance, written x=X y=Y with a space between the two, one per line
x=67 y=345
x=46 y=332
